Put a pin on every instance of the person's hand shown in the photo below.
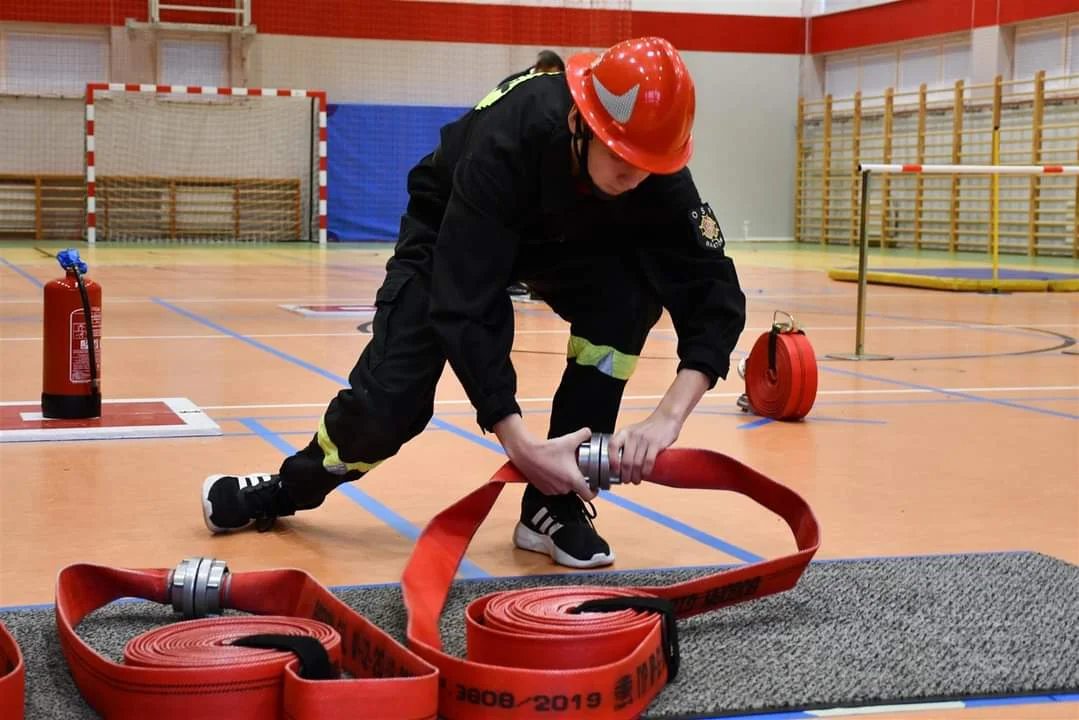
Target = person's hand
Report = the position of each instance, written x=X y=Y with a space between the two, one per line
x=550 y=465
x=633 y=449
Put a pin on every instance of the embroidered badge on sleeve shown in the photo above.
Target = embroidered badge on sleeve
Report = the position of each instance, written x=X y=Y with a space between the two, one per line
x=706 y=226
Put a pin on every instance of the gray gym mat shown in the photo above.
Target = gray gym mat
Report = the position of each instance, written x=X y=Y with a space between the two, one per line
x=860 y=632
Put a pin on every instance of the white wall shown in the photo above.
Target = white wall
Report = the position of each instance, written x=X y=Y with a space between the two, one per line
x=747 y=103
x=774 y=8
x=386 y=71
x=746 y=106
x=937 y=62
x=825 y=7
x=746 y=122
x=41 y=135
x=1050 y=45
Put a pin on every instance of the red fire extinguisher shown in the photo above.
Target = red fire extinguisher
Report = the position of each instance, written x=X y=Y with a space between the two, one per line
x=71 y=371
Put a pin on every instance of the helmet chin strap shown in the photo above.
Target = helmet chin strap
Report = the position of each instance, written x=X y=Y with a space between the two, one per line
x=582 y=135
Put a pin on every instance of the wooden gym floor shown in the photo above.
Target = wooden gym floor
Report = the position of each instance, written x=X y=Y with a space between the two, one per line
x=966 y=442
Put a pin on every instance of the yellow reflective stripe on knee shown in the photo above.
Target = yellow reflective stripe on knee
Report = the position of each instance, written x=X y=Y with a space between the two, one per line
x=604 y=358
x=331 y=460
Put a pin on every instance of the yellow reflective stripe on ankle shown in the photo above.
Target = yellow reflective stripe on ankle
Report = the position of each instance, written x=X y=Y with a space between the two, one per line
x=331 y=460
x=604 y=358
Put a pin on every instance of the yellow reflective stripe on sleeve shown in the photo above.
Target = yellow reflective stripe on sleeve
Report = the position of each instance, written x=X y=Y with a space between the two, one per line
x=604 y=358
x=331 y=460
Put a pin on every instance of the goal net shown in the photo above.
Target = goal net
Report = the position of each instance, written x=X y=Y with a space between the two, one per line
x=205 y=164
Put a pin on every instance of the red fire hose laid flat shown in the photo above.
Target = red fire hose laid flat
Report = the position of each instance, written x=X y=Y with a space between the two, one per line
x=574 y=651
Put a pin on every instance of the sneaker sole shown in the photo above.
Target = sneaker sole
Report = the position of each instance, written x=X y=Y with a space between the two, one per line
x=528 y=539
x=207 y=508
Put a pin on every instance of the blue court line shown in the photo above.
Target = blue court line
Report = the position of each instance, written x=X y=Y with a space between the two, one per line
x=19 y=270
x=250 y=341
x=941 y=401
x=341 y=381
x=680 y=527
x=953 y=393
x=693 y=533
x=930 y=388
x=368 y=503
x=1017 y=700
x=824 y=310
x=812 y=418
x=716 y=409
x=283 y=433
x=754 y=423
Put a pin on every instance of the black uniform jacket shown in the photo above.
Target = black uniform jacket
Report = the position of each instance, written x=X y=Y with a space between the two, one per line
x=501 y=179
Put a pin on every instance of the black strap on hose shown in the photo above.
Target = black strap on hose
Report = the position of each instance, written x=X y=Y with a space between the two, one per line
x=772 y=348
x=314 y=660
x=95 y=382
x=646 y=604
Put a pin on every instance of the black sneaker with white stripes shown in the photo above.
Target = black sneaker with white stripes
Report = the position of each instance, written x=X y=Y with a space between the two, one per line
x=236 y=502
x=561 y=526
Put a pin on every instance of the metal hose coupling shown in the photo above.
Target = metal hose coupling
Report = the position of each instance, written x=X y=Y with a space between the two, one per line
x=593 y=459
x=198 y=587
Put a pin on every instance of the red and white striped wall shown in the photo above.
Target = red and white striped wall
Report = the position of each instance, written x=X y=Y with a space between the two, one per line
x=93 y=88
x=761 y=26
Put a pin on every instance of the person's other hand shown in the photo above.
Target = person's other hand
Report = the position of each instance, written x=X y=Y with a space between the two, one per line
x=550 y=465
x=633 y=449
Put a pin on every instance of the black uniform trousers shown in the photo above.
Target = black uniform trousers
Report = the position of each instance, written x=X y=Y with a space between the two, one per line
x=599 y=291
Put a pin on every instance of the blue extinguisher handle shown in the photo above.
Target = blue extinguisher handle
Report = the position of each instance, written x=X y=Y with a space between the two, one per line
x=69 y=260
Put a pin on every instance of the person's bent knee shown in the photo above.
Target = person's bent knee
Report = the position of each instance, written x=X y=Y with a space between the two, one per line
x=606 y=359
x=360 y=442
x=618 y=353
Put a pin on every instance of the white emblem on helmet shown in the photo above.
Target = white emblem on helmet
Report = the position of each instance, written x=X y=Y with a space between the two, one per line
x=621 y=106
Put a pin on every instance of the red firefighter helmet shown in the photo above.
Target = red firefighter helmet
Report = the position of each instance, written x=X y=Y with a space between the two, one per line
x=639 y=100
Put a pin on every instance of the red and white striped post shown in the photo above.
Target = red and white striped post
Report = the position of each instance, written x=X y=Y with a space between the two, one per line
x=92 y=88
x=971 y=169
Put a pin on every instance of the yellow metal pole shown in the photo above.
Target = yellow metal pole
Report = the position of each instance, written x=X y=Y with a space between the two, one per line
x=995 y=209
x=799 y=180
x=863 y=270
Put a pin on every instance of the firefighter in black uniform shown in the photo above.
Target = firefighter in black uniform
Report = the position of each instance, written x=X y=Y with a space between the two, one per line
x=576 y=184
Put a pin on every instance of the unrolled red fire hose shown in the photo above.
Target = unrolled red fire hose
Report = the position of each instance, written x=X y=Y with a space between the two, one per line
x=781 y=373
x=574 y=651
x=583 y=651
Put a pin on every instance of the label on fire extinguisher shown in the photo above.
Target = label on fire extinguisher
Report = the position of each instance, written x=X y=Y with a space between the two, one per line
x=79 y=358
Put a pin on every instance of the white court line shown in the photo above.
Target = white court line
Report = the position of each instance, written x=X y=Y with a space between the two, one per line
x=137 y=299
x=713 y=395
x=874 y=328
x=219 y=336
x=331 y=301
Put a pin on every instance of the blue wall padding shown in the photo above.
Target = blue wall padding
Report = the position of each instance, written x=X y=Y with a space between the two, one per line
x=371 y=148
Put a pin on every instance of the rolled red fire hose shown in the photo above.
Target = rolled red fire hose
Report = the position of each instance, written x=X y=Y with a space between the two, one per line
x=781 y=373
x=578 y=651
x=166 y=676
x=12 y=677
